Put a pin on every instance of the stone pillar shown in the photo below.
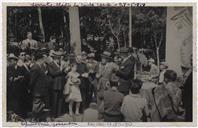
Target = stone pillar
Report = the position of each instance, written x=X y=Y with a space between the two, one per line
x=74 y=25
x=178 y=33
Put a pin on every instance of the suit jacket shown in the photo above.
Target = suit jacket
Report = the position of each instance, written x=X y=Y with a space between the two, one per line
x=57 y=75
x=126 y=73
x=39 y=82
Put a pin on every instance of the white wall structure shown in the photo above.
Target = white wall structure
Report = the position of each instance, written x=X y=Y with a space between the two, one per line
x=178 y=37
x=74 y=25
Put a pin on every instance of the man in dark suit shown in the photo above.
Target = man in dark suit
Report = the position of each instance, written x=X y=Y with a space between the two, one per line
x=54 y=70
x=39 y=84
x=187 y=94
x=126 y=71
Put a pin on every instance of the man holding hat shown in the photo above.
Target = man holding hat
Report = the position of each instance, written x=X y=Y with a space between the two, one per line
x=126 y=71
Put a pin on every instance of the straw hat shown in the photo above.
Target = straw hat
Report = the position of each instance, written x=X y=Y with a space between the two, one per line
x=106 y=54
x=91 y=55
x=124 y=50
x=57 y=53
x=164 y=64
x=151 y=60
x=75 y=80
x=12 y=56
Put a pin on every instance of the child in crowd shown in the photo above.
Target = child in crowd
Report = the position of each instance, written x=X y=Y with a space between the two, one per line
x=72 y=90
x=134 y=107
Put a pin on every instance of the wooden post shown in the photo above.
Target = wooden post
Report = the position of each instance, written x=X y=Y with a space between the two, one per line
x=130 y=27
x=41 y=23
x=74 y=24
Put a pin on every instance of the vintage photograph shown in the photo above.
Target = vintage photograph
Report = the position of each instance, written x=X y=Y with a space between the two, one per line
x=99 y=64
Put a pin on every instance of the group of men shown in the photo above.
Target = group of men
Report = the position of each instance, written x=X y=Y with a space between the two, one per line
x=36 y=81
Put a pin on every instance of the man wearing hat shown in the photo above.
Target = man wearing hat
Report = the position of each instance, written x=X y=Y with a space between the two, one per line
x=83 y=71
x=54 y=70
x=105 y=71
x=153 y=68
x=92 y=66
x=39 y=86
x=163 y=68
x=12 y=100
x=126 y=71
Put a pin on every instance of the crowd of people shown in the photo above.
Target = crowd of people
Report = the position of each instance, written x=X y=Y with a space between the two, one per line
x=45 y=83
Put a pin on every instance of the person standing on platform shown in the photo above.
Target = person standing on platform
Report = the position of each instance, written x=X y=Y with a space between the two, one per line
x=51 y=43
x=29 y=43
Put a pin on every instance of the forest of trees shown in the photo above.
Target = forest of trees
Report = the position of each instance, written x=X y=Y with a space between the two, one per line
x=102 y=28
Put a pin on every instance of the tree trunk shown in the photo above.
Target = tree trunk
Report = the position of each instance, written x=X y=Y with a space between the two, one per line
x=125 y=44
x=158 y=59
x=118 y=42
x=41 y=24
x=74 y=26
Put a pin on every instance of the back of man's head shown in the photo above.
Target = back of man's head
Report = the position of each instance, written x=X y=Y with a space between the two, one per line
x=136 y=86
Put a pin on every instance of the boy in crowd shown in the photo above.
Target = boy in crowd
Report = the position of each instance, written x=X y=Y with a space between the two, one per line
x=134 y=107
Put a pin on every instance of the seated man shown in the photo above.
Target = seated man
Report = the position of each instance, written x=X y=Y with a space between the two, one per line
x=112 y=99
x=134 y=107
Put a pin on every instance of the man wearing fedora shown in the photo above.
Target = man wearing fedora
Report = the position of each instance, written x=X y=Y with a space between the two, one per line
x=126 y=71
x=57 y=75
x=39 y=86
x=92 y=66
x=105 y=71
x=12 y=87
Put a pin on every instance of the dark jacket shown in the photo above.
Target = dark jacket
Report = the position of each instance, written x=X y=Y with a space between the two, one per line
x=57 y=75
x=39 y=81
x=187 y=97
x=126 y=74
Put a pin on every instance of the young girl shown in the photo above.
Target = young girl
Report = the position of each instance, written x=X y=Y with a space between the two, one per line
x=72 y=90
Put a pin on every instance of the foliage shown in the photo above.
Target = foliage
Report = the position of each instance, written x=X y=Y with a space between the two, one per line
x=107 y=22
